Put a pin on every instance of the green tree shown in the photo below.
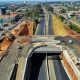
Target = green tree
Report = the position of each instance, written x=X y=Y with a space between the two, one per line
x=63 y=10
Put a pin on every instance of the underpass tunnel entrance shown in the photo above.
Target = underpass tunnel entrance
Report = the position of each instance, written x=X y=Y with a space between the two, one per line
x=50 y=51
x=37 y=68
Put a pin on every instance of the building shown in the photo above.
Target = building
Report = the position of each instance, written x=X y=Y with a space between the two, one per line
x=2 y=10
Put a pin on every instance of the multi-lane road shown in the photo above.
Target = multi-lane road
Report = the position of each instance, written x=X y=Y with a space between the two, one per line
x=42 y=67
x=74 y=46
x=41 y=27
x=50 y=29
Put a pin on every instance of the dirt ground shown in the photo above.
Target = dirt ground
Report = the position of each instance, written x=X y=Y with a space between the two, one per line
x=58 y=27
x=62 y=30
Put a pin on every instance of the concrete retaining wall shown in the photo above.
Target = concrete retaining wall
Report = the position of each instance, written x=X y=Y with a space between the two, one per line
x=70 y=67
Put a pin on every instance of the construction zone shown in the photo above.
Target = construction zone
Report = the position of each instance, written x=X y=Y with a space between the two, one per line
x=25 y=28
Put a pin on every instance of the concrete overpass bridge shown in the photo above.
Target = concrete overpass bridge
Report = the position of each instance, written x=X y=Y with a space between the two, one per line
x=44 y=63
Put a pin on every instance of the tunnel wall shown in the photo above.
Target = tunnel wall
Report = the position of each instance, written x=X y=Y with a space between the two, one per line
x=70 y=67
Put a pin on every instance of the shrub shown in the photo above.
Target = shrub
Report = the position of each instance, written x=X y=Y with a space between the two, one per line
x=74 y=27
x=62 y=18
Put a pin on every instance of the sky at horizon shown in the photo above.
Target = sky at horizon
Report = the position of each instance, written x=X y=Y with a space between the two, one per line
x=39 y=0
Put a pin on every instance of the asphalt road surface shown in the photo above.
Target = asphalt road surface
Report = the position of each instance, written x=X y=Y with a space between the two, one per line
x=38 y=68
x=59 y=70
x=50 y=29
x=41 y=27
x=71 y=46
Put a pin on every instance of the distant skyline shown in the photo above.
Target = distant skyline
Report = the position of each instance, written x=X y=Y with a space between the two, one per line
x=39 y=0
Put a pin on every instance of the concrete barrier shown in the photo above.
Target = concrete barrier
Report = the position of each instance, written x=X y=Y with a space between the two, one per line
x=70 y=67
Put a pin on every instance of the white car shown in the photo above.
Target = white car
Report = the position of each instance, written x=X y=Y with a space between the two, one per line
x=70 y=41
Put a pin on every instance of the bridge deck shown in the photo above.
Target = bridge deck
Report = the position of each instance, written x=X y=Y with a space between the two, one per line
x=49 y=49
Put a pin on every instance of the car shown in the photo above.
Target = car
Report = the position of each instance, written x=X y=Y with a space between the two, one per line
x=5 y=25
x=78 y=58
x=10 y=28
x=78 y=61
x=70 y=41
x=1 y=28
x=20 y=47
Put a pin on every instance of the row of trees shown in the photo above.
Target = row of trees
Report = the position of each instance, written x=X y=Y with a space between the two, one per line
x=63 y=10
x=62 y=18
x=33 y=12
x=71 y=25
x=74 y=27
x=49 y=8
